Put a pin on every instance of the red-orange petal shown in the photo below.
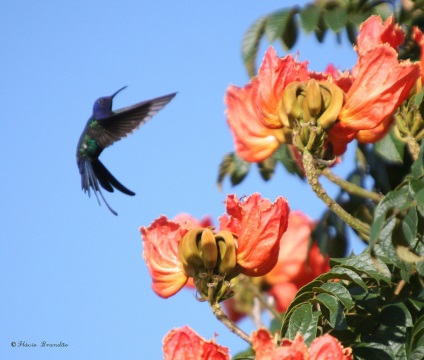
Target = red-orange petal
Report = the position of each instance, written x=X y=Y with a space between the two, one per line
x=373 y=32
x=182 y=344
x=381 y=85
x=253 y=141
x=259 y=225
x=185 y=344
x=292 y=350
x=274 y=75
x=160 y=243
x=373 y=135
x=327 y=347
x=263 y=344
x=294 y=247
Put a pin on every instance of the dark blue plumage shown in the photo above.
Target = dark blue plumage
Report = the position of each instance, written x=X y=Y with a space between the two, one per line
x=103 y=128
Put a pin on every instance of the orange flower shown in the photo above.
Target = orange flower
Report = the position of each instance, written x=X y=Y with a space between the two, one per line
x=297 y=264
x=259 y=225
x=327 y=347
x=189 y=222
x=160 y=243
x=183 y=343
x=322 y=348
x=417 y=35
x=253 y=141
x=381 y=84
x=274 y=75
x=373 y=32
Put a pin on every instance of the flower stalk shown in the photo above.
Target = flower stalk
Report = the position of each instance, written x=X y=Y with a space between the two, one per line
x=222 y=317
x=349 y=187
x=312 y=176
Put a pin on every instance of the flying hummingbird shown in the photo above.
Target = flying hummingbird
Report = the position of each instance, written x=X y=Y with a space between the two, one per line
x=103 y=128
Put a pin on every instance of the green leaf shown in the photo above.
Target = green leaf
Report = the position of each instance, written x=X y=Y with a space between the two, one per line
x=364 y=263
x=320 y=30
x=335 y=18
x=395 y=199
x=332 y=310
x=309 y=17
x=342 y=273
x=417 y=354
x=304 y=321
x=233 y=166
x=390 y=148
x=267 y=168
x=396 y=314
x=416 y=187
x=290 y=32
x=385 y=241
x=250 y=44
x=299 y=300
x=339 y=291
x=418 y=98
x=417 y=168
x=285 y=155
x=417 y=334
x=409 y=227
x=372 y=351
x=276 y=23
x=352 y=32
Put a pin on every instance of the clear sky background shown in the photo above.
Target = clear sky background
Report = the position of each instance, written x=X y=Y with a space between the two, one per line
x=70 y=271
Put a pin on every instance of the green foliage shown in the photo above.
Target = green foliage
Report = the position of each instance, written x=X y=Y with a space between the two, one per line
x=363 y=304
x=237 y=169
x=317 y=17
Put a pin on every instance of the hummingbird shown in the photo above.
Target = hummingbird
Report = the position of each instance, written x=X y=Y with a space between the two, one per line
x=104 y=127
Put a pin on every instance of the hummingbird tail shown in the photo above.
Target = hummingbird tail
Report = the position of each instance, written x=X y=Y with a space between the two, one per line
x=107 y=180
x=89 y=180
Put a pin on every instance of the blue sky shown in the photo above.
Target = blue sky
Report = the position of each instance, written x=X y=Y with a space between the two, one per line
x=72 y=272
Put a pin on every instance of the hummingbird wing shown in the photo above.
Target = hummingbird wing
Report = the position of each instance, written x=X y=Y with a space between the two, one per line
x=124 y=121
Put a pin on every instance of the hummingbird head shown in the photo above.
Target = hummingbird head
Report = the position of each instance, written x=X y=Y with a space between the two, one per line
x=102 y=107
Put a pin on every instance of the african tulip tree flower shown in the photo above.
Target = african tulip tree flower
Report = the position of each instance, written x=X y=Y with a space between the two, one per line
x=274 y=75
x=298 y=263
x=286 y=103
x=253 y=141
x=252 y=111
x=259 y=225
x=418 y=37
x=160 y=243
x=322 y=348
x=374 y=32
x=248 y=243
x=183 y=343
x=381 y=84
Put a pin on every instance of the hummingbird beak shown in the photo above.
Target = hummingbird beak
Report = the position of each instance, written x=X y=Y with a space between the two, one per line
x=116 y=92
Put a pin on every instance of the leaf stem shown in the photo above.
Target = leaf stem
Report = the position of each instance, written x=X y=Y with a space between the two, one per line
x=221 y=316
x=349 y=187
x=312 y=176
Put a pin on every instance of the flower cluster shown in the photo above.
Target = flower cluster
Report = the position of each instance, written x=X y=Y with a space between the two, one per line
x=299 y=262
x=184 y=343
x=248 y=242
x=322 y=348
x=287 y=103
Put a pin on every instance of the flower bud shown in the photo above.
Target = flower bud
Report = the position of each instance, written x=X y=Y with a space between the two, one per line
x=309 y=109
x=209 y=249
x=313 y=98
